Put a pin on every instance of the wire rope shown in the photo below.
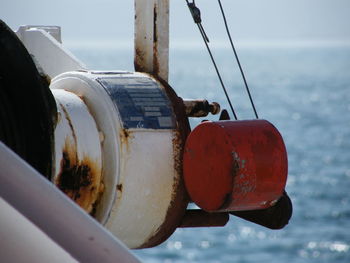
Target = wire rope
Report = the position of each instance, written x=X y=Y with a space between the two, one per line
x=237 y=59
x=197 y=19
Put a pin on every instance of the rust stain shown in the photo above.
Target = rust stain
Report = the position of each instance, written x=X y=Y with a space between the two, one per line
x=155 y=35
x=141 y=55
x=125 y=136
x=119 y=187
x=80 y=180
x=180 y=198
x=246 y=184
x=197 y=108
x=155 y=43
x=66 y=115
x=139 y=60
x=178 y=146
x=98 y=199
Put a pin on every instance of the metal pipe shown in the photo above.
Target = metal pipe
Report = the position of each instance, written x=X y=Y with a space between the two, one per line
x=200 y=218
x=31 y=244
x=55 y=214
x=200 y=108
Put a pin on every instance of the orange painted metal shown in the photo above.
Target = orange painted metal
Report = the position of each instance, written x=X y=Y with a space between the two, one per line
x=235 y=165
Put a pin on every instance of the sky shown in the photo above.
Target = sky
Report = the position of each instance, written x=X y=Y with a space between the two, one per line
x=111 y=21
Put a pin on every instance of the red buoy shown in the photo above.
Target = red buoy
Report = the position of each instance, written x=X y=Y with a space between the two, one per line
x=235 y=165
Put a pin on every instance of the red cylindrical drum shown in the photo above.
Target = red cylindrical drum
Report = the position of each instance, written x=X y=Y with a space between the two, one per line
x=235 y=165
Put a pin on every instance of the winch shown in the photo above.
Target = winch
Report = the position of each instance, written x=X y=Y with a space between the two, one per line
x=120 y=153
x=119 y=143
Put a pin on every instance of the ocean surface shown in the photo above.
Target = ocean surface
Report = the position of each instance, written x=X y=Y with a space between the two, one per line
x=305 y=93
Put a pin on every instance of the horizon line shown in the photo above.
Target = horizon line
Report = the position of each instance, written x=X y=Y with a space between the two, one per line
x=181 y=44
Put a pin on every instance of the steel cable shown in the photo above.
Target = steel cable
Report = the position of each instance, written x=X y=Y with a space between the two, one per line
x=237 y=59
x=197 y=19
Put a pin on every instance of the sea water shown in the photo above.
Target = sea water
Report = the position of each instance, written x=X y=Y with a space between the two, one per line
x=305 y=93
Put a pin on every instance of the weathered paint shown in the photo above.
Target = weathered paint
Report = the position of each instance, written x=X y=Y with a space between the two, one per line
x=125 y=135
x=235 y=165
x=100 y=106
x=200 y=108
x=180 y=199
x=59 y=219
x=144 y=187
x=80 y=179
x=144 y=197
x=152 y=37
x=151 y=183
x=78 y=158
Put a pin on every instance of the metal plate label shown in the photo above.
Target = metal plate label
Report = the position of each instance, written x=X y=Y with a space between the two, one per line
x=140 y=102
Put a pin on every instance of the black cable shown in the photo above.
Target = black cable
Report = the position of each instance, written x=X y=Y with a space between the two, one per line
x=196 y=17
x=220 y=79
x=237 y=59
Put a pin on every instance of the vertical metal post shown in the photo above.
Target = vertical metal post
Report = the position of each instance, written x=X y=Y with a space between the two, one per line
x=152 y=37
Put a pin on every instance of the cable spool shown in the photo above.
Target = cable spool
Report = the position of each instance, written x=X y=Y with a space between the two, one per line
x=27 y=107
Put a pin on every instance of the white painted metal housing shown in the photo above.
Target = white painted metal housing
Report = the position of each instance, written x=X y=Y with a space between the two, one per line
x=45 y=46
x=140 y=175
x=138 y=167
x=78 y=154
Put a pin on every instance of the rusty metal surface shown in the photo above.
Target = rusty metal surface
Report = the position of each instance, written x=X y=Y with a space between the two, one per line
x=200 y=108
x=139 y=59
x=78 y=163
x=125 y=135
x=50 y=211
x=180 y=197
x=152 y=37
x=200 y=218
x=143 y=177
x=80 y=179
x=99 y=106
